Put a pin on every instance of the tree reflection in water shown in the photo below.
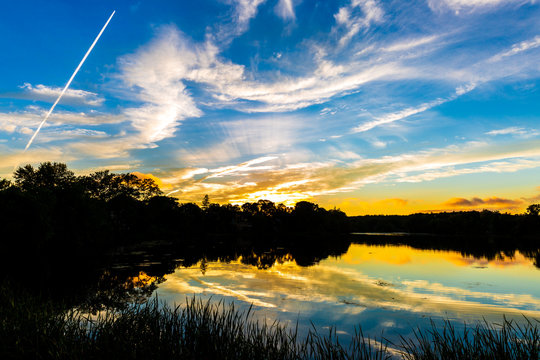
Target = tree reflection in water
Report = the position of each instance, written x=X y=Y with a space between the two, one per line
x=132 y=276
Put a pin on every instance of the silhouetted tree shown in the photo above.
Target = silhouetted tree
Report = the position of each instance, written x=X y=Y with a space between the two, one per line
x=47 y=176
x=205 y=202
x=4 y=184
x=105 y=185
x=533 y=209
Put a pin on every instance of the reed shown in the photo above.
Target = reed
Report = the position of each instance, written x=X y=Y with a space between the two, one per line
x=208 y=330
x=508 y=340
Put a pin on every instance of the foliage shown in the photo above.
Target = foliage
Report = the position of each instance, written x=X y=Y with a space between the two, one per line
x=533 y=209
x=47 y=176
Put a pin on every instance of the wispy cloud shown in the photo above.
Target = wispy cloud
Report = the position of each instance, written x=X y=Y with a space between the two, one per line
x=51 y=93
x=243 y=12
x=405 y=113
x=412 y=43
x=469 y=6
x=518 y=48
x=246 y=10
x=155 y=74
x=285 y=9
x=276 y=180
x=514 y=131
x=9 y=158
x=239 y=139
x=358 y=15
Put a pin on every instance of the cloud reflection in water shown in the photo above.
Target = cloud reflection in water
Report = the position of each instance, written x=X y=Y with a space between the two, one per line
x=378 y=287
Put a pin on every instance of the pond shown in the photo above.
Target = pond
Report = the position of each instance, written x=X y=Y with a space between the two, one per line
x=385 y=289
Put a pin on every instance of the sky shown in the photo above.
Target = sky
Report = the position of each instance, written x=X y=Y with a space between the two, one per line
x=373 y=107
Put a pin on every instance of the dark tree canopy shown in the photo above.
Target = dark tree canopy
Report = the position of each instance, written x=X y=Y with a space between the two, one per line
x=533 y=209
x=105 y=185
x=47 y=175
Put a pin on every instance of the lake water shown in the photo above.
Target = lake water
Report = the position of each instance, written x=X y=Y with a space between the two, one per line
x=385 y=289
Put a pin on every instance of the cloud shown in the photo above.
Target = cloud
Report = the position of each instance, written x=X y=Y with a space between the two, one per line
x=9 y=159
x=289 y=94
x=394 y=201
x=408 y=44
x=246 y=10
x=70 y=134
x=154 y=74
x=518 y=48
x=469 y=6
x=242 y=13
x=476 y=201
x=358 y=15
x=491 y=167
x=277 y=179
x=405 y=113
x=16 y=121
x=285 y=9
x=248 y=137
x=515 y=131
x=241 y=169
x=50 y=94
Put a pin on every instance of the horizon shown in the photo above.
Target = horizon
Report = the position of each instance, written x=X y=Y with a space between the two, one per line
x=371 y=107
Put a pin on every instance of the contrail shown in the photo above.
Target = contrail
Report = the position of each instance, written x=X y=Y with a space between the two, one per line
x=68 y=83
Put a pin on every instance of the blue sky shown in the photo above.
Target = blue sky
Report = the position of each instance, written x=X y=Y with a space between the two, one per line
x=370 y=106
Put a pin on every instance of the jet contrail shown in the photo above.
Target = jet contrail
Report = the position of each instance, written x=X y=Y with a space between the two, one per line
x=68 y=83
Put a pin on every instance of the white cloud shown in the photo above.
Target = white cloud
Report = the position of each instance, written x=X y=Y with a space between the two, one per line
x=352 y=21
x=24 y=121
x=241 y=168
x=71 y=134
x=246 y=10
x=243 y=12
x=285 y=9
x=400 y=115
x=71 y=96
x=493 y=167
x=160 y=69
x=405 y=113
x=155 y=75
x=408 y=44
x=518 y=48
x=249 y=137
x=457 y=6
x=515 y=131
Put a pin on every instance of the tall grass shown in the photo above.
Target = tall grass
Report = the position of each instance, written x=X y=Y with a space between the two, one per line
x=508 y=340
x=206 y=330
x=197 y=330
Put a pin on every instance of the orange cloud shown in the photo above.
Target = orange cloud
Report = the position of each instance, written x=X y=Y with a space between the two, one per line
x=395 y=201
x=476 y=201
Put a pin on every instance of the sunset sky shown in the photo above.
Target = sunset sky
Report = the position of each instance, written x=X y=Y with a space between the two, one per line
x=374 y=107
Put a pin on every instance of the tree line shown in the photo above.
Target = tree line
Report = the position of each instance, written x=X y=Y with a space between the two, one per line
x=53 y=219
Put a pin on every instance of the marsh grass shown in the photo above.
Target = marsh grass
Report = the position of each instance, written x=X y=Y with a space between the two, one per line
x=508 y=340
x=208 y=330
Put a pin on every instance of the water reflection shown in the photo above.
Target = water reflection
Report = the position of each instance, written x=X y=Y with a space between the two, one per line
x=388 y=288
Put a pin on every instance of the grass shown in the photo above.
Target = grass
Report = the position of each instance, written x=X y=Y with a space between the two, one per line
x=507 y=340
x=205 y=330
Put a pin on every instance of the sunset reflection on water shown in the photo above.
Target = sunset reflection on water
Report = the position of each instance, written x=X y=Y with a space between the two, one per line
x=381 y=288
